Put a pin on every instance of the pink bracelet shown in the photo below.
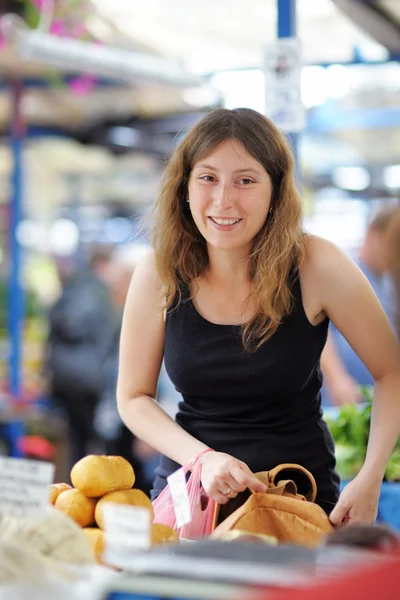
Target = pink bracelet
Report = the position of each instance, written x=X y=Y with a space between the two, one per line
x=200 y=456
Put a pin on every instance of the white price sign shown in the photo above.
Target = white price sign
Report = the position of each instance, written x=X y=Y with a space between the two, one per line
x=24 y=486
x=180 y=498
x=127 y=529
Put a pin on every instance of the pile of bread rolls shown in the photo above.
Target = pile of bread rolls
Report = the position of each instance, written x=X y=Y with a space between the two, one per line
x=96 y=480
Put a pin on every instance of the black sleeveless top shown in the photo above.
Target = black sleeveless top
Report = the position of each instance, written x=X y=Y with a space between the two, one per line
x=263 y=407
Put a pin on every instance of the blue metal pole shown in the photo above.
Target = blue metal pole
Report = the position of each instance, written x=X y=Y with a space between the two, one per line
x=16 y=426
x=286 y=18
x=286 y=27
x=15 y=291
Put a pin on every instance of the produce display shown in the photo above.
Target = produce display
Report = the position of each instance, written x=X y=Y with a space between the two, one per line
x=350 y=430
x=50 y=543
x=98 y=480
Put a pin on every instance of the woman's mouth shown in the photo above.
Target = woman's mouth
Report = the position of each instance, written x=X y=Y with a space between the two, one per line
x=224 y=224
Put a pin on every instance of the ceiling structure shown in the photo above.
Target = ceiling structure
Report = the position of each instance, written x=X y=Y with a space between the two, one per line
x=202 y=37
x=207 y=37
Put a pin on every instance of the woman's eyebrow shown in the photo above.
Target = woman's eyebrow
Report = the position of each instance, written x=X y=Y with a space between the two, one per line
x=245 y=170
x=204 y=166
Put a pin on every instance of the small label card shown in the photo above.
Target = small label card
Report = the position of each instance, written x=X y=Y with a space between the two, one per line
x=180 y=498
x=127 y=529
x=24 y=486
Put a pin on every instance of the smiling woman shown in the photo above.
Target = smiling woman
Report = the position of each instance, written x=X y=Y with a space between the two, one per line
x=230 y=193
x=237 y=299
x=232 y=165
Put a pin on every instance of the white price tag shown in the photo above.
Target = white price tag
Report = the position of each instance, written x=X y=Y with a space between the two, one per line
x=180 y=498
x=24 y=486
x=127 y=529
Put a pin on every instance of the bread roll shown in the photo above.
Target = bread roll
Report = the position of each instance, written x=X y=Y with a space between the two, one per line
x=162 y=534
x=129 y=497
x=96 y=540
x=56 y=489
x=79 y=508
x=95 y=475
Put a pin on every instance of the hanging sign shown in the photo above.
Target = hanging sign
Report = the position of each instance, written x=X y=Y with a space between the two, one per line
x=282 y=68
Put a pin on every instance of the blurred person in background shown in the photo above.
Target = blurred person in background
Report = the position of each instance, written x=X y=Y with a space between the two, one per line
x=81 y=329
x=393 y=239
x=344 y=371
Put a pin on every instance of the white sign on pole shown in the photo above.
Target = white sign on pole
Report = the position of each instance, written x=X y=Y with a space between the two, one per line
x=282 y=68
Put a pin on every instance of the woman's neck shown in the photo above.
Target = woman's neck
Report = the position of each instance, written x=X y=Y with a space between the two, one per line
x=227 y=268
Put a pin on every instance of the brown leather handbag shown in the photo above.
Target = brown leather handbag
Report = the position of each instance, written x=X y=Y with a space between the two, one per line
x=286 y=511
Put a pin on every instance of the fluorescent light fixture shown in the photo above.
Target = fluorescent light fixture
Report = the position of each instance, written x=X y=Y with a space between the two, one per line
x=201 y=96
x=391 y=176
x=355 y=179
x=127 y=137
x=63 y=237
x=30 y=233
x=314 y=90
x=338 y=81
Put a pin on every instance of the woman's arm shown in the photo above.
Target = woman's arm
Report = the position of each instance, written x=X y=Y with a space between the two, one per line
x=342 y=388
x=346 y=296
x=141 y=352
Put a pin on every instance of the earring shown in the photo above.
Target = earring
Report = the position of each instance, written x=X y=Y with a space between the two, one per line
x=187 y=200
x=270 y=211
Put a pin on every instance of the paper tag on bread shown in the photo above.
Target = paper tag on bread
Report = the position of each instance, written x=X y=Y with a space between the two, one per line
x=126 y=529
x=24 y=486
x=180 y=497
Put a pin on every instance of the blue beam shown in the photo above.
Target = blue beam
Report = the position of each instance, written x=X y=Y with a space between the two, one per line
x=327 y=118
x=286 y=28
x=15 y=291
x=286 y=18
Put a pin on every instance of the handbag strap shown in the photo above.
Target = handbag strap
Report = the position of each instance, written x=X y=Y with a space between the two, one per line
x=304 y=480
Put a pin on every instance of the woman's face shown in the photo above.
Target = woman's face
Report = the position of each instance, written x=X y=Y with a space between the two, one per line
x=230 y=196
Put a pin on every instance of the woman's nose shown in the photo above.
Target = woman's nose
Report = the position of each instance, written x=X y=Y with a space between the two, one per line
x=223 y=197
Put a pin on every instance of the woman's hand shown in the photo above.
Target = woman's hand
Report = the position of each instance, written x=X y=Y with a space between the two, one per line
x=358 y=502
x=223 y=477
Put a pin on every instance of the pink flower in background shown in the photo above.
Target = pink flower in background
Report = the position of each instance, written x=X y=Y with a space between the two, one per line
x=82 y=85
x=58 y=27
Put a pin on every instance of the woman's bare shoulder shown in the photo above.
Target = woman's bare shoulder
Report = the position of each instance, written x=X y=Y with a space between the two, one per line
x=322 y=258
x=147 y=273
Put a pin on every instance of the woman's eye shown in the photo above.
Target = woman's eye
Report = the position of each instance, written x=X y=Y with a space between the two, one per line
x=246 y=181
x=207 y=178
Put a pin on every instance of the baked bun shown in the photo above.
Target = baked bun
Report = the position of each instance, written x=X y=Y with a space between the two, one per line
x=96 y=540
x=129 y=497
x=77 y=506
x=96 y=475
x=56 y=489
x=163 y=534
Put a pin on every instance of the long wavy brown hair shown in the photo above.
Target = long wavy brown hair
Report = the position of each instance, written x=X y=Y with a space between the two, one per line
x=181 y=251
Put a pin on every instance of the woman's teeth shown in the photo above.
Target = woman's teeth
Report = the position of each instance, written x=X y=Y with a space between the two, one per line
x=225 y=221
